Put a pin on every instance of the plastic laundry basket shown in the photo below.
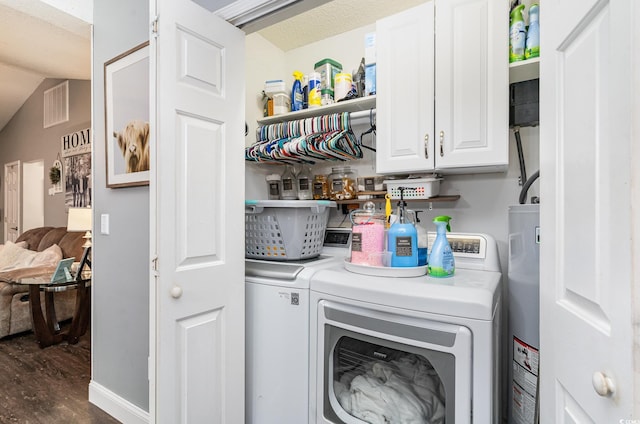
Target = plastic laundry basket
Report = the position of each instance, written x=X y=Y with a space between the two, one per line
x=284 y=230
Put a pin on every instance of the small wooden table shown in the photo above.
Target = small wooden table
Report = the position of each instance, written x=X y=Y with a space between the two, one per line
x=47 y=329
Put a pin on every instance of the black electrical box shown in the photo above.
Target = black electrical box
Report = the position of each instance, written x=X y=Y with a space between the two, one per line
x=524 y=109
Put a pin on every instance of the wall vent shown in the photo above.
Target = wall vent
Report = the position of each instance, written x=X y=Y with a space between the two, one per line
x=56 y=105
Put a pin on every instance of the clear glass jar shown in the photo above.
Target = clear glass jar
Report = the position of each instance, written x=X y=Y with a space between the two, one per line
x=320 y=187
x=289 y=184
x=274 y=186
x=342 y=183
x=305 y=184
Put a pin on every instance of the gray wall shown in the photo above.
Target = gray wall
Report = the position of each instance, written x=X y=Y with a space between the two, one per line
x=121 y=259
x=25 y=139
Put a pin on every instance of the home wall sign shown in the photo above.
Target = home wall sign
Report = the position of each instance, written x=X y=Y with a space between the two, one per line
x=76 y=155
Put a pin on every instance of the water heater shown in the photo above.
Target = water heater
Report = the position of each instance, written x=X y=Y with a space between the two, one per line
x=524 y=304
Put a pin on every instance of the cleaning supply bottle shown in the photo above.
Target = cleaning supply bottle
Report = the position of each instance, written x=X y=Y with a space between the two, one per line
x=423 y=242
x=402 y=238
x=533 y=33
x=297 y=97
x=441 y=261
x=517 y=34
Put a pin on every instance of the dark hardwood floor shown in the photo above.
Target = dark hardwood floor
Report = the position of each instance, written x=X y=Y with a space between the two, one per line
x=47 y=386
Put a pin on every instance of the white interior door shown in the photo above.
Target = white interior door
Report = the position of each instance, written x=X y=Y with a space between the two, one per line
x=33 y=195
x=197 y=198
x=586 y=111
x=12 y=228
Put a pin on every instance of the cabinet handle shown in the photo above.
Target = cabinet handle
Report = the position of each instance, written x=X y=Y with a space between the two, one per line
x=426 y=145
x=441 y=143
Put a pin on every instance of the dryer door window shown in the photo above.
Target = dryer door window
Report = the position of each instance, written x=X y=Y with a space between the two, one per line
x=386 y=368
x=374 y=381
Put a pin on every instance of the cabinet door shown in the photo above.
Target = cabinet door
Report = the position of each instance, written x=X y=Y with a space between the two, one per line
x=472 y=82
x=405 y=109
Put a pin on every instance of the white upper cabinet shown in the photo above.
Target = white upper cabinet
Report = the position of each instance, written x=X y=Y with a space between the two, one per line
x=405 y=91
x=443 y=83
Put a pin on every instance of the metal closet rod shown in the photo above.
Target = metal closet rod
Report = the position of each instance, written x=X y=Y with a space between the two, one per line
x=361 y=116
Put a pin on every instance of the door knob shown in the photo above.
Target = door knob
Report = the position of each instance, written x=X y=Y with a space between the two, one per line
x=603 y=384
x=176 y=292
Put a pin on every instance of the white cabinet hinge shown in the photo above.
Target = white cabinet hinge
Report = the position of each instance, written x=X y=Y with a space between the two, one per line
x=154 y=265
x=154 y=27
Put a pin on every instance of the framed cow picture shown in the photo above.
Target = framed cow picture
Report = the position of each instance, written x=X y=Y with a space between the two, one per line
x=126 y=89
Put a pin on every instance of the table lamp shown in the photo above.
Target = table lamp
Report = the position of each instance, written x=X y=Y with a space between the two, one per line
x=80 y=219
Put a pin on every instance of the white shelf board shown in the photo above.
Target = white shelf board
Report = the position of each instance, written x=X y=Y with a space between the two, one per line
x=524 y=70
x=355 y=105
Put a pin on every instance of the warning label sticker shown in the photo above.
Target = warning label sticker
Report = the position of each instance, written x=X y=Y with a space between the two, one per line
x=525 y=381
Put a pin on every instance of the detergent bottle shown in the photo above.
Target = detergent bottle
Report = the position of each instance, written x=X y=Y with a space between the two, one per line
x=297 y=97
x=402 y=238
x=441 y=261
x=517 y=35
x=533 y=34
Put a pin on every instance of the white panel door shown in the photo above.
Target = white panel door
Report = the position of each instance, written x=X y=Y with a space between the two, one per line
x=585 y=253
x=12 y=211
x=33 y=195
x=404 y=98
x=197 y=198
x=472 y=84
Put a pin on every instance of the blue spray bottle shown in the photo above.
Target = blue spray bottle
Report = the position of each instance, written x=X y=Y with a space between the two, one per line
x=441 y=261
x=296 y=92
x=402 y=238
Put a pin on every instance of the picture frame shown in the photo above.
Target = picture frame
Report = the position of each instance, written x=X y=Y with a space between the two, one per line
x=126 y=94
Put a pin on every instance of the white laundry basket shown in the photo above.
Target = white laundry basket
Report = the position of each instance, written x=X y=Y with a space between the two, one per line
x=284 y=230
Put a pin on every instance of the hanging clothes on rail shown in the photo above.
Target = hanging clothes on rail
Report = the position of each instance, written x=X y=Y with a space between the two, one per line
x=327 y=137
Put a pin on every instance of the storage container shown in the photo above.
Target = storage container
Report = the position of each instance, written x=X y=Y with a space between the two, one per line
x=415 y=188
x=368 y=235
x=272 y=87
x=274 y=186
x=327 y=68
x=374 y=183
x=281 y=103
x=289 y=184
x=320 y=187
x=283 y=230
x=342 y=183
x=305 y=184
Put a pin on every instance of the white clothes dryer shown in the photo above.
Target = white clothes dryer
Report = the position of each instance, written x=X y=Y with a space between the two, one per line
x=277 y=332
x=417 y=349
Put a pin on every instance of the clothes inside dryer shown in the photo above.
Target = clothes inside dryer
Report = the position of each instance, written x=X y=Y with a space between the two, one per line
x=377 y=383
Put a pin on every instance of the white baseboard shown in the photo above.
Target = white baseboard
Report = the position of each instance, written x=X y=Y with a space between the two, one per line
x=119 y=408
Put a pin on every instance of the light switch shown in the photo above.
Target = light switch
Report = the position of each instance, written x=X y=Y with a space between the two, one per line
x=104 y=224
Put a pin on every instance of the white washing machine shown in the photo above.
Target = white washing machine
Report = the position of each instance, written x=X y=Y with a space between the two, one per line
x=415 y=349
x=277 y=332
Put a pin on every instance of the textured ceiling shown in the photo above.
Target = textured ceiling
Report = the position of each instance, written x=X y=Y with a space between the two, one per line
x=38 y=41
x=329 y=19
